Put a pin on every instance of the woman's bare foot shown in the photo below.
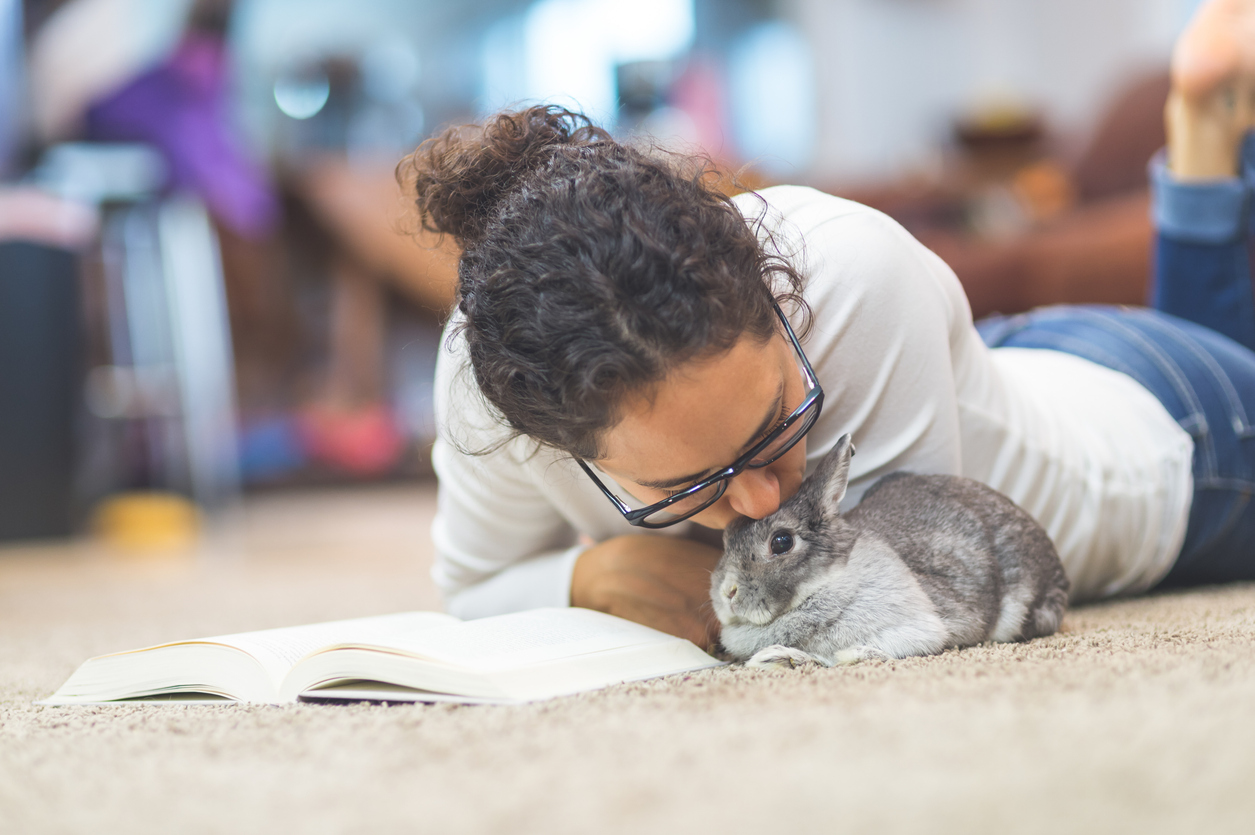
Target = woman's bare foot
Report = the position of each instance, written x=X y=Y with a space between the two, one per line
x=1212 y=103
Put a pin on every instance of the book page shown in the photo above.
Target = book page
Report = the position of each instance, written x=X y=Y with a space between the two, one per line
x=228 y=665
x=523 y=638
x=279 y=649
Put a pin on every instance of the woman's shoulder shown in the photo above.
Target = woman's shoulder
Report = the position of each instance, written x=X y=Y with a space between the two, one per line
x=808 y=225
x=464 y=417
x=802 y=206
x=846 y=250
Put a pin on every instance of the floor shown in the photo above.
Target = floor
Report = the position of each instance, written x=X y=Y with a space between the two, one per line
x=1139 y=717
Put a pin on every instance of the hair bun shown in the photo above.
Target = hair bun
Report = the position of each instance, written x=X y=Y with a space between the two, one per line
x=463 y=173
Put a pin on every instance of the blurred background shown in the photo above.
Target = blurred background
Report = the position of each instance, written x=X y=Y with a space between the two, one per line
x=210 y=285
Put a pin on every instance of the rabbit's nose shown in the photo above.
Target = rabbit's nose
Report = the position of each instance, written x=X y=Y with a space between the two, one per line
x=729 y=591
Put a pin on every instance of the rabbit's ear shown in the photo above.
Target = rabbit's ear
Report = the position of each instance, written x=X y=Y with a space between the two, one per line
x=829 y=481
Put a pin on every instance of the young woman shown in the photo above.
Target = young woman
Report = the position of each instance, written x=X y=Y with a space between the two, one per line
x=636 y=360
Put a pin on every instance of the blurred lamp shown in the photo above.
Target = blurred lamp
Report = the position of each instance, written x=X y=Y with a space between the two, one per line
x=301 y=95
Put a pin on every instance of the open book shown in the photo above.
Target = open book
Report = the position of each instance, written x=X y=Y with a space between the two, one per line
x=418 y=656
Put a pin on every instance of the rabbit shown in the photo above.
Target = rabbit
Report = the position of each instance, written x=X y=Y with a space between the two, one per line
x=923 y=563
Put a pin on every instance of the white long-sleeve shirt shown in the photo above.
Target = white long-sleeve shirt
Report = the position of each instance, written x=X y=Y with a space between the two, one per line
x=1089 y=452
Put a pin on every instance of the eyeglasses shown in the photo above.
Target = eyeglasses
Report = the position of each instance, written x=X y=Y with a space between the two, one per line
x=695 y=499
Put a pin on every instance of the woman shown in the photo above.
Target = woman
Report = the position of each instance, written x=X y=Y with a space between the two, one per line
x=637 y=360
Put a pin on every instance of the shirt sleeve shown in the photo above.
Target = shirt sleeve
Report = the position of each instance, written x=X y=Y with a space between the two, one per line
x=501 y=546
x=1198 y=211
x=1202 y=270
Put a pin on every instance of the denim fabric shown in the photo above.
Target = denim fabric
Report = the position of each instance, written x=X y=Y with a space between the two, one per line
x=1202 y=265
x=1218 y=292
x=1205 y=381
x=1199 y=212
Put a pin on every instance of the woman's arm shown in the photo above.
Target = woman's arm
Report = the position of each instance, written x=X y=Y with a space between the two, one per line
x=502 y=545
x=1200 y=190
x=1202 y=267
x=660 y=581
x=499 y=546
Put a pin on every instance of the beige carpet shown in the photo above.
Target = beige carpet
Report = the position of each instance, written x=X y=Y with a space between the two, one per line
x=1140 y=718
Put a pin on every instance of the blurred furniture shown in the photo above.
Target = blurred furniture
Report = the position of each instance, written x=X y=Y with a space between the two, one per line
x=1025 y=223
x=168 y=390
x=40 y=374
x=372 y=218
x=160 y=386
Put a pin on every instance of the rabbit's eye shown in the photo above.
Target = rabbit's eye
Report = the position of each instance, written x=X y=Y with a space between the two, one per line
x=781 y=543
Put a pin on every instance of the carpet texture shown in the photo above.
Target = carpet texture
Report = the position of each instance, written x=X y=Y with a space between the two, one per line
x=1137 y=718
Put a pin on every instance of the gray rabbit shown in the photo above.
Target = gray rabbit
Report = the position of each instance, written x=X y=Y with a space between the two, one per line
x=923 y=563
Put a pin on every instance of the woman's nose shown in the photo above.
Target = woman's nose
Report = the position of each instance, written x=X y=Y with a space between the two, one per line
x=754 y=493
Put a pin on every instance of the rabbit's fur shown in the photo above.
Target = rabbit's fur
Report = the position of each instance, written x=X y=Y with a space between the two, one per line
x=923 y=563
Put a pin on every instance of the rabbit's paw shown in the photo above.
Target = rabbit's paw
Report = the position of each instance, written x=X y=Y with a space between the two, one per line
x=853 y=655
x=781 y=657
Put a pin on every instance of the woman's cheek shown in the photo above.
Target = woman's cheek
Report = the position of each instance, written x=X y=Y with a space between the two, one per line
x=718 y=516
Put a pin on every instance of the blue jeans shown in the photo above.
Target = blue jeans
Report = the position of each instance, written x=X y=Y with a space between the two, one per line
x=1195 y=352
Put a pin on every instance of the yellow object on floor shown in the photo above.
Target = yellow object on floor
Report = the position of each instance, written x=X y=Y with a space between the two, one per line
x=147 y=521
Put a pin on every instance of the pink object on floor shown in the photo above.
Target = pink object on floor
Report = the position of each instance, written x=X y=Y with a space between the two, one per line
x=363 y=442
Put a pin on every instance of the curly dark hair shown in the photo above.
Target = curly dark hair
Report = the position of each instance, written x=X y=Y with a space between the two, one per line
x=590 y=268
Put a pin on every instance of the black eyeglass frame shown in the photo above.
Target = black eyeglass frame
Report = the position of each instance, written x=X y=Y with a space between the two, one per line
x=814 y=397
